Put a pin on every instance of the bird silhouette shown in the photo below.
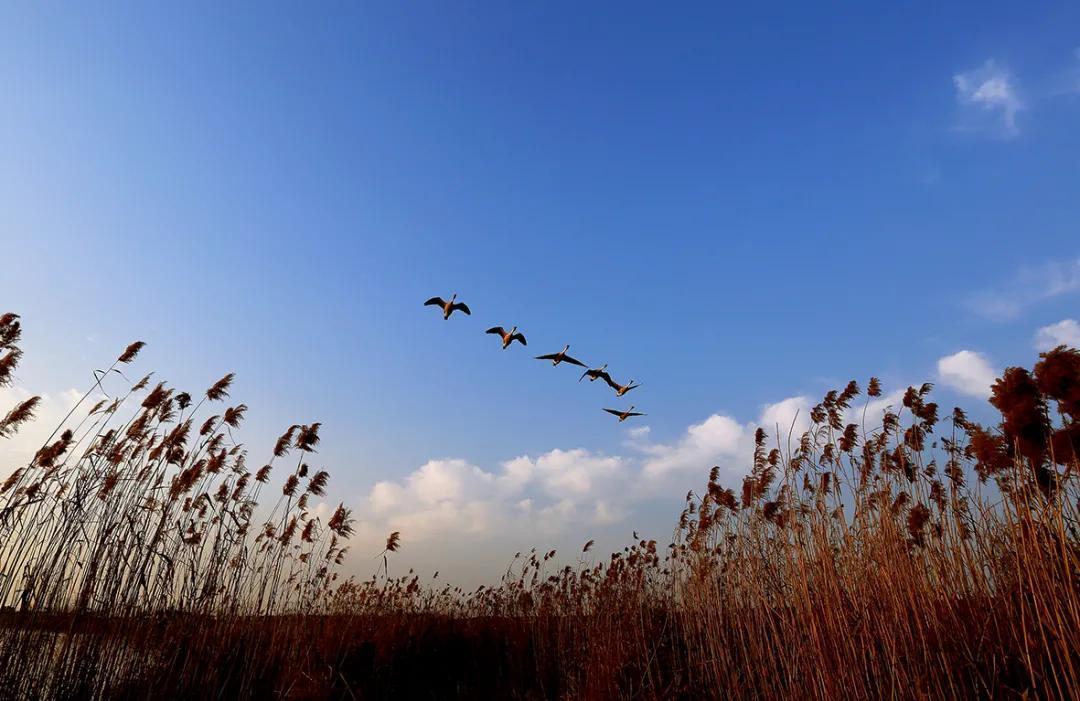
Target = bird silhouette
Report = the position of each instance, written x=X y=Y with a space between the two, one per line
x=595 y=374
x=620 y=390
x=508 y=337
x=624 y=415
x=448 y=307
x=562 y=357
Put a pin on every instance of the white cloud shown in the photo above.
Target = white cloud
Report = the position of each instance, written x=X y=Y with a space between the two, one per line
x=1030 y=286
x=440 y=481
x=516 y=474
x=967 y=372
x=716 y=439
x=575 y=473
x=550 y=493
x=721 y=440
x=385 y=497
x=17 y=450
x=1065 y=332
x=988 y=91
x=787 y=418
x=605 y=512
x=561 y=495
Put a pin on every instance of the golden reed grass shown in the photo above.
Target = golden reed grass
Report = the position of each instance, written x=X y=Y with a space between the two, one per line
x=895 y=555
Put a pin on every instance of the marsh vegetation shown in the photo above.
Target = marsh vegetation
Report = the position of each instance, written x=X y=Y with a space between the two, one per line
x=900 y=551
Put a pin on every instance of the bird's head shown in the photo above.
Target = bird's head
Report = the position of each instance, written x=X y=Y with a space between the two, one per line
x=566 y=348
x=513 y=330
x=453 y=297
x=603 y=367
x=631 y=408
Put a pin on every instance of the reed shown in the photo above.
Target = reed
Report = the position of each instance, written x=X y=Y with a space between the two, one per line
x=896 y=552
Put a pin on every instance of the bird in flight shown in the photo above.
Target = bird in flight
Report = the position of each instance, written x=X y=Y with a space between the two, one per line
x=624 y=415
x=620 y=390
x=595 y=374
x=508 y=337
x=448 y=308
x=562 y=357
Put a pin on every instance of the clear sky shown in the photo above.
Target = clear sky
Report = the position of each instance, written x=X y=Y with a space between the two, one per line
x=734 y=206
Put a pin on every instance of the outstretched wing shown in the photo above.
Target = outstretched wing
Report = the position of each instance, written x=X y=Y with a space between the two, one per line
x=437 y=301
x=583 y=375
x=574 y=361
x=549 y=356
x=604 y=376
x=611 y=383
x=635 y=413
x=519 y=337
x=613 y=412
x=462 y=306
x=496 y=329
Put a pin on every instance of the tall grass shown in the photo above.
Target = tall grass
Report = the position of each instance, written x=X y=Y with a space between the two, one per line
x=882 y=553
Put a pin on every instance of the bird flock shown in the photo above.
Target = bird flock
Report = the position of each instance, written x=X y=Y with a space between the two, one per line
x=507 y=338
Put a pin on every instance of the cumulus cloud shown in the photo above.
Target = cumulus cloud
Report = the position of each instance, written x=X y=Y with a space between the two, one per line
x=788 y=417
x=563 y=492
x=575 y=473
x=448 y=497
x=967 y=372
x=1064 y=333
x=723 y=441
x=988 y=91
x=716 y=439
x=1030 y=286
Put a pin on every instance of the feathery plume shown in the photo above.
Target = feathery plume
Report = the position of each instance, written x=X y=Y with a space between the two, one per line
x=130 y=352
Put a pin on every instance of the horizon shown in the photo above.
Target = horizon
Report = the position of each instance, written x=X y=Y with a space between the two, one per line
x=278 y=201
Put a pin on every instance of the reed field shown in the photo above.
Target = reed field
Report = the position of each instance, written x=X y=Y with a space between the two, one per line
x=906 y=552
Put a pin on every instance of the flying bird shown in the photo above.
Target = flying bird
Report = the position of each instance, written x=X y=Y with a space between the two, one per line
x=562 y=357
x=595 y=374
x=624 y=415
x=508 y=337
x=620 y=390
x=448 y=308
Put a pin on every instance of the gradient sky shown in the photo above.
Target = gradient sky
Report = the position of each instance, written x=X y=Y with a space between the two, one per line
x=732 y=206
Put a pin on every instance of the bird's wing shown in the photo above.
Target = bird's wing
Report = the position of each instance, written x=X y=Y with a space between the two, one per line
x=614 y=412
x=462 y=306
x=587 y=371
x=611 y=383
x=633 y=387
x=635 y=413
x=437 y=301
x=519 y=337
x=549 y=356
x=574 y=361
x=496 y=329
x=604 y=376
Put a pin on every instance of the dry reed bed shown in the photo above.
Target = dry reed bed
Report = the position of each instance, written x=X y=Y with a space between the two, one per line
x=893 y=555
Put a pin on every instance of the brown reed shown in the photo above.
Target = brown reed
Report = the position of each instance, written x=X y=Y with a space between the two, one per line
x=901 y=554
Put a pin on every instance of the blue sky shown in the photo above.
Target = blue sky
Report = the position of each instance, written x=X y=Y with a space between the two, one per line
x=735 y=207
